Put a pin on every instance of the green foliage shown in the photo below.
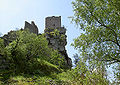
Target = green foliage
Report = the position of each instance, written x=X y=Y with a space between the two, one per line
x=77 y=76
x=57 y=59
x=1 y=46
x=52 y=32
x=81 y=75
x=55 y=33
x=29 y=53
x=62 y=37
x=101 y=24
x=76 y=59
x=100 y=21
x=32 y=62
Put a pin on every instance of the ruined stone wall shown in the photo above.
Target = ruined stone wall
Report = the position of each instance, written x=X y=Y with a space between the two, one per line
x=32 y=27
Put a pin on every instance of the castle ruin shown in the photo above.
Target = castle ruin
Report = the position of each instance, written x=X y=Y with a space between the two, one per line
x=57 y=41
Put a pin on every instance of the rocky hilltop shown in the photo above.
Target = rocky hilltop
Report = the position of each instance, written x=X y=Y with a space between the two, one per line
x=54 y=33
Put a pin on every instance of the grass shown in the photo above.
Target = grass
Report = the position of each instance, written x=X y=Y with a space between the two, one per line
x=46 y=74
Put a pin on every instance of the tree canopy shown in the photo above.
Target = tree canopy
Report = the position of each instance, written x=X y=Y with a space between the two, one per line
x=28 y=52
x=100 y=21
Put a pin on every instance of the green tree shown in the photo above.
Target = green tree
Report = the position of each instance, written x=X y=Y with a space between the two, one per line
x=2 y=46
x=81 y=75
x=28 y=52
x=100 y=21
x=76 y=59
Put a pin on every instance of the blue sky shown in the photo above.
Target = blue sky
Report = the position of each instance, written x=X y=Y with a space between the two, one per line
x=13 y=14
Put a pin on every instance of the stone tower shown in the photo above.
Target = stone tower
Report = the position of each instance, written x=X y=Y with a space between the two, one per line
x=59 y=41
x=53 y=22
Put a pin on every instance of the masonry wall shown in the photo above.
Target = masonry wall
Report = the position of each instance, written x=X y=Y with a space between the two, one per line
x=53 y=22
x=32 y=27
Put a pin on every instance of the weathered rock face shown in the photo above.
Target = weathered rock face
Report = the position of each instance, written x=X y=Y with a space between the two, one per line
x=56 y=36
x=32 y=27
